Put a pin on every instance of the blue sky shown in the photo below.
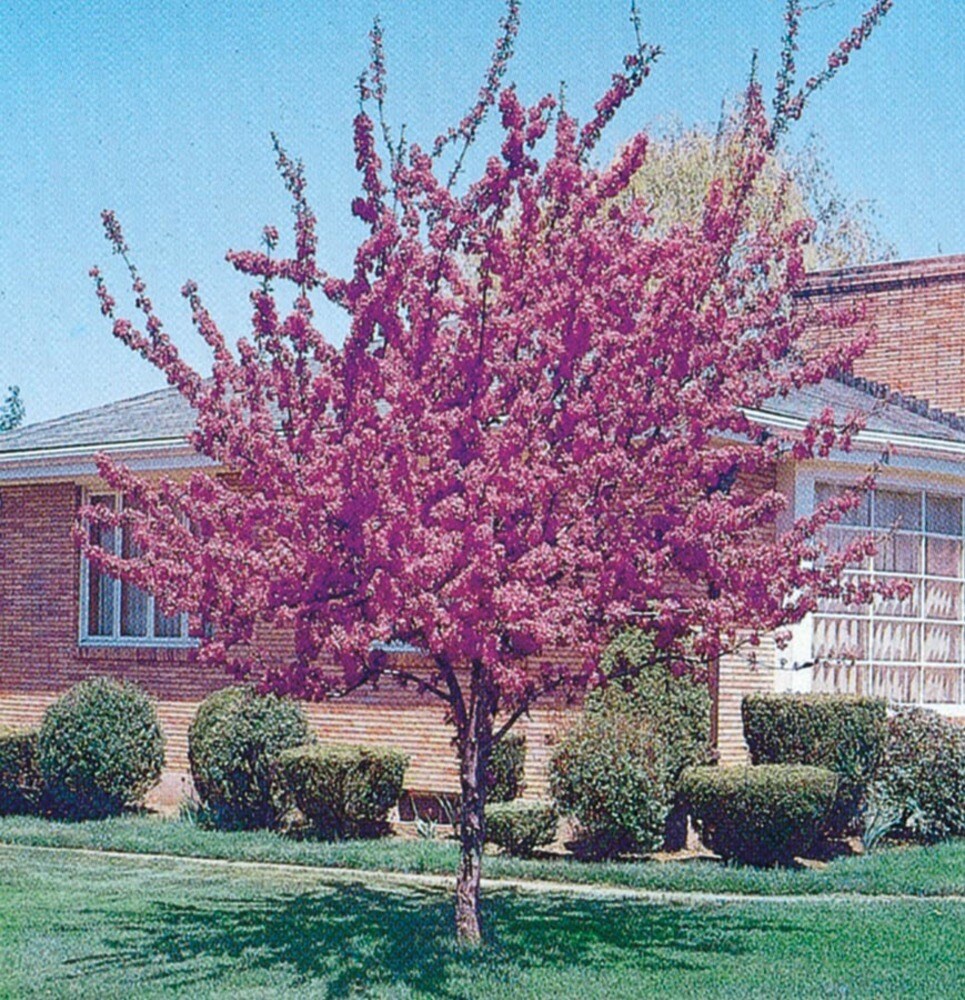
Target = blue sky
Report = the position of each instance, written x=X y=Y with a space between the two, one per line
x=162 y=111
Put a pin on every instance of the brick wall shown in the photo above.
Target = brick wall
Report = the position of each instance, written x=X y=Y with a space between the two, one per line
x=917 y=309
x=739 y=674
x=40 y=658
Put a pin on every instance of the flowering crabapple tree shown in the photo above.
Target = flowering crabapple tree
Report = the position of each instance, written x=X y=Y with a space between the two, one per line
x=535 y=430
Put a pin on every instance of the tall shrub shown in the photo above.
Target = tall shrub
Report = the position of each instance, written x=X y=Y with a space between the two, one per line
x=616 y=770
x=921 y=778
x=645 y=683
x=233 y=743
x=100 y=749
x=506 y=767
x=610 y=773
x=843 y=733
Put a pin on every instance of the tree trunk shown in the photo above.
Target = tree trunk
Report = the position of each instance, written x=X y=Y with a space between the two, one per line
x=475 y=736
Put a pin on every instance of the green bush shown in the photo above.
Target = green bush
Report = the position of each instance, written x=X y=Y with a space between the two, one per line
x=762 y=815
x=19 y=775
x=343 y=791
x=679 y=704
x=616 y=769
x=100 y=749
x=844 y=733
x=520 y=827
x=921 y=779
x=506 y=765
x=610 y=772
x=233 y=742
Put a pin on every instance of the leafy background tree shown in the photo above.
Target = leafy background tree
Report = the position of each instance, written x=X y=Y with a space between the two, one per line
x=535 y=429
x=681 y=165
x=11 y=410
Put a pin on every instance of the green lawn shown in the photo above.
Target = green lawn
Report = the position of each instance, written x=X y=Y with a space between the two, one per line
x=933 y=871
x=82 y=925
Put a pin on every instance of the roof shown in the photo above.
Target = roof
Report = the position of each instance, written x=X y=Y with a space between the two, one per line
x=888 y=413
x=160 y=417
x=885 y=276
x=163 y=419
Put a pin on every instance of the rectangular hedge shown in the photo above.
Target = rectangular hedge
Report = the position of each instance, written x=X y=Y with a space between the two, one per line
x=343 y=791
x=760 y=815
x=844 y=733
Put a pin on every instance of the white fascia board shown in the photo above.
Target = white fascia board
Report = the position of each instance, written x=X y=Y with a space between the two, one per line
x=74 y=461
x=950 y=711
x=866 y=438
x=901 y=464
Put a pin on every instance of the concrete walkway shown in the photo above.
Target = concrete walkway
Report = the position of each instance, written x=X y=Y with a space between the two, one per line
x=431 y=881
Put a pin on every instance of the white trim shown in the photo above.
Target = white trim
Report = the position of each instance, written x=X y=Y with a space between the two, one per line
x=136 y=642
x=879 y=438
x=17 y=468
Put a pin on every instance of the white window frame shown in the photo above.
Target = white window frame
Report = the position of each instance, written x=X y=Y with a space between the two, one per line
x=805 y=500
x=115 y=639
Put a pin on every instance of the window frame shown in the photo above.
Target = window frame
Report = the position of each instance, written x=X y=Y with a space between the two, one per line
x=116 y=640
x=869 y=673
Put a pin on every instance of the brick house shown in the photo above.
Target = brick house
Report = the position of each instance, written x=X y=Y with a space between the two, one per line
x=60 y=623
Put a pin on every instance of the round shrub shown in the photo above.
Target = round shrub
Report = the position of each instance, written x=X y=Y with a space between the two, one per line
x=233 y=742
x=844 y=733
x=343 y=791
x=520 y=827
x=99 y=750
x=762 y=815
x=19 y=775
x=610 y=772
x=921 y=779
x=506 y=765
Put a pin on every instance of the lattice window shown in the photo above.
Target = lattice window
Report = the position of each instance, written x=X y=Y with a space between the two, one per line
x=911 y=650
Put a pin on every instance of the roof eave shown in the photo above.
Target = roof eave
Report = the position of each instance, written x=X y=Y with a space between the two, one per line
x=868 y=438
x=77 y=461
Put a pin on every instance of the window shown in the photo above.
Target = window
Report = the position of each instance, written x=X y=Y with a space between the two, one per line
x=909 y=650
x=114 y=612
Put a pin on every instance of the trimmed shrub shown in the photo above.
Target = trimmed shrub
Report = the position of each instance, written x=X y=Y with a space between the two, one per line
x=763 y=815
x=343 y=791
x=233 y=742
x=921 y=779
x=843 y=733
x=520 y=827
x=99 y=750
x=19 y=775
x=610 y=772
x=616 y=769
x=506 y=766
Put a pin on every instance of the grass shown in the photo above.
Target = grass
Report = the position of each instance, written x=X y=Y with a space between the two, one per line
x=83 y=925
x=934 y=871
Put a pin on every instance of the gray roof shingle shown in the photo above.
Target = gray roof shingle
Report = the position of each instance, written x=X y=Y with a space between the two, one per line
x=164 y=415
x=159 y=415
x=886 y=412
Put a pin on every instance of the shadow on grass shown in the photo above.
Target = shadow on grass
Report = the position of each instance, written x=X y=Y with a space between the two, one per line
x=354 y=937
